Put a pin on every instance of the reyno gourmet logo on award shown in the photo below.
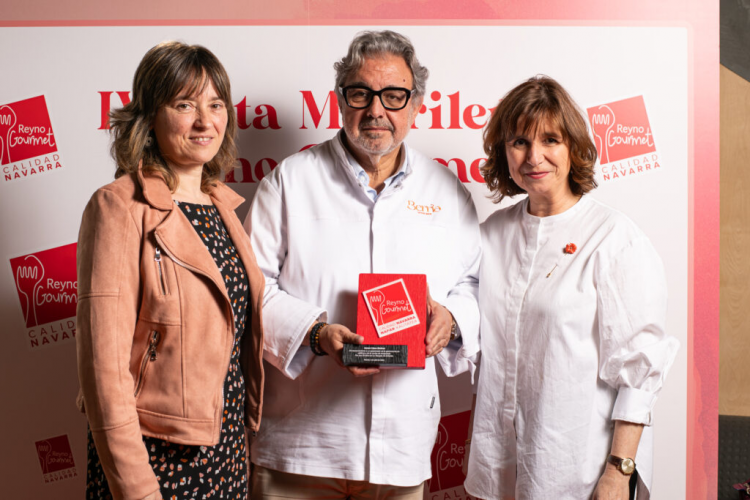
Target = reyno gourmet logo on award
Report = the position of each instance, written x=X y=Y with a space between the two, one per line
x=392 y=318
x=390 y=308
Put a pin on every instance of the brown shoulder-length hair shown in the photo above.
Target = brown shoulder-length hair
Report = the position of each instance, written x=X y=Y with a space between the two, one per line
x=166 y=71
x=535 y=102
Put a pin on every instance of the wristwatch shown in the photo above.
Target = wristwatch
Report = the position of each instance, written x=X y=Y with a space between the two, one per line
x=454 y=328
x=624 y=465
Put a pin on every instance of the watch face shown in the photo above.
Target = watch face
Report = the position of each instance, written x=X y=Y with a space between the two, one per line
x=627 y=466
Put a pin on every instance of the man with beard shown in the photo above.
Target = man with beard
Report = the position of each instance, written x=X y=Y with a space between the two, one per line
x=362 y=202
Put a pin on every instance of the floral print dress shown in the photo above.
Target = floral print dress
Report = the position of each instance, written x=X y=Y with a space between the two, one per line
x=202 y=472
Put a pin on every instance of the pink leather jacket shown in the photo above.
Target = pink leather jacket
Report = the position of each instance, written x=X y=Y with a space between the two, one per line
x=155 y=327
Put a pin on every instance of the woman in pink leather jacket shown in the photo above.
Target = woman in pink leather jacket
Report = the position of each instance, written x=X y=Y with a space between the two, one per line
x=169 y=335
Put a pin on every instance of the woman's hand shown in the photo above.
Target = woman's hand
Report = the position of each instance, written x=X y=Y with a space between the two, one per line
x=613 y=485
x=332 y=340
x=156 y=495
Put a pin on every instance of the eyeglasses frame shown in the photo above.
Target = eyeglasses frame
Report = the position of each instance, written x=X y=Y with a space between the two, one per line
x=378 y=93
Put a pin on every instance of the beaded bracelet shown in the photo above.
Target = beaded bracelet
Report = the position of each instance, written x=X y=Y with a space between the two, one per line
x=315 y=339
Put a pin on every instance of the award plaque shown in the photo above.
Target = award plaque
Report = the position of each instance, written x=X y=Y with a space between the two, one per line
x=392 y=317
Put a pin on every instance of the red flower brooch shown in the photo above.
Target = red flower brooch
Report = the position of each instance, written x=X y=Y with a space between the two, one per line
x=569 y=249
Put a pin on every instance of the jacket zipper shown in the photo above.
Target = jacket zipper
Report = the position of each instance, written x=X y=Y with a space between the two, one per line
x=150 y=355
x=231 y=317
x=157 y=258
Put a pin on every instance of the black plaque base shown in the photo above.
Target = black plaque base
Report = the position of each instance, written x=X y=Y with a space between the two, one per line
x=375 y=355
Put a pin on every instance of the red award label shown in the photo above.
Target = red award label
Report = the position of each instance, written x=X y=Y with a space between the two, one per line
x=391 y=308
x=392 y=318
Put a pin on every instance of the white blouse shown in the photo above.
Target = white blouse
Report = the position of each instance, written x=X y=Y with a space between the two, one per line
x=570 y=342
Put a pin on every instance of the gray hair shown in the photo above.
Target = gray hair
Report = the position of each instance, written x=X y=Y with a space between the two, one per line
x=377 y=43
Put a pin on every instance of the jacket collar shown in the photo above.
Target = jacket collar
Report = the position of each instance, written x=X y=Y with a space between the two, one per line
x=157 y=193
x=177 y=236
x=226 y=196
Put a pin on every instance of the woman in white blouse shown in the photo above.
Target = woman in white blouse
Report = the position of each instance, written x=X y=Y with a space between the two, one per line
x=573 y=300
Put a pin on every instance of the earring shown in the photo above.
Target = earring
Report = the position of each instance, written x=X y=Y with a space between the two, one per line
x=149 y=141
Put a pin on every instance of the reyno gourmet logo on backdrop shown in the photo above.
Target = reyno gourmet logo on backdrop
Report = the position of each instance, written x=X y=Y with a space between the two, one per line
x=447 y=482
x=48 y=293
x=56 y=459
x=27 y=142
x=320 y=110
x=623 y=138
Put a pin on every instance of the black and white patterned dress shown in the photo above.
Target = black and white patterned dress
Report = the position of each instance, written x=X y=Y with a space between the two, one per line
x=202 y=472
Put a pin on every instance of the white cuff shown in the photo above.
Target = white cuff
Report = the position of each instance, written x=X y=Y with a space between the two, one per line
x=286 y=321
x=634 y=405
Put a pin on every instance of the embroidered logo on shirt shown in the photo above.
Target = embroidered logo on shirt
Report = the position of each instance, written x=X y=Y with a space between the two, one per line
x=423 y=209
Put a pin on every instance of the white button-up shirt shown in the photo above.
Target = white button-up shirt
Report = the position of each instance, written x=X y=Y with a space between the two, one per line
x=570 y=343
x=314 y=230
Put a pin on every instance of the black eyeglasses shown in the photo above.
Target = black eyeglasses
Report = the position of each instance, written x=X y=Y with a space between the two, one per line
x=360 y=97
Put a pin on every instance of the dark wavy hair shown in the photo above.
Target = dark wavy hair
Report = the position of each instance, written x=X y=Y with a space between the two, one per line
x=377 y=43
x=167 y=70
x=531 y=104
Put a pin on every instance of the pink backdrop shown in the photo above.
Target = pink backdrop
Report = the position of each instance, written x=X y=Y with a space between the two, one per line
x=701 y=19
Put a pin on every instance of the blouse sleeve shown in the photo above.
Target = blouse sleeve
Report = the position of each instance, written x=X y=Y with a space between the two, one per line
x=460 y=355
x=635 y=350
